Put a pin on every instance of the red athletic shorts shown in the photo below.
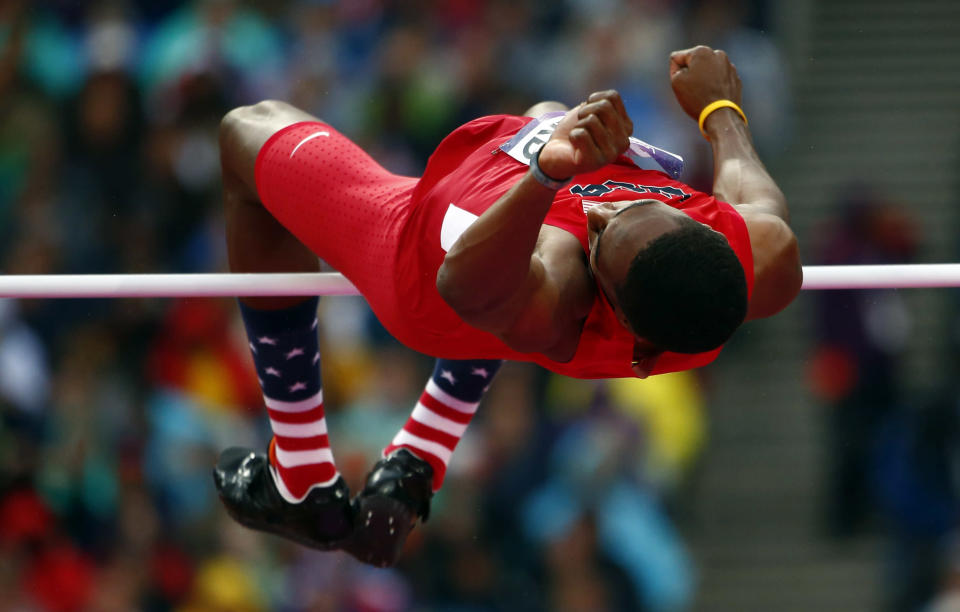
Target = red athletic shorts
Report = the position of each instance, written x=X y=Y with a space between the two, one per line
x=339 y=202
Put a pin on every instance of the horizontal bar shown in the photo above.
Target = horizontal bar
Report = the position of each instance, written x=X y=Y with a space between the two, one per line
x=905 y=276
x=893 y=276
x=173 y=285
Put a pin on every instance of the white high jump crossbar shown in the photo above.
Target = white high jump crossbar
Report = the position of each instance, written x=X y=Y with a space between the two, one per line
x=904 y=276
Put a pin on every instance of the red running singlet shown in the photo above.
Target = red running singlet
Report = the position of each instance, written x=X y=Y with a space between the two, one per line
x=388 y=234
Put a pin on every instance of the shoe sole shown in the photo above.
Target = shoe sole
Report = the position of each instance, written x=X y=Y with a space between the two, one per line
x=382 y=527
x=229 y=457
x=274 y=530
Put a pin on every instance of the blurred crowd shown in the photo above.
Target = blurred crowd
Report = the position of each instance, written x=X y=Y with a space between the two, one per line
x=891 y=453
x=112 y=411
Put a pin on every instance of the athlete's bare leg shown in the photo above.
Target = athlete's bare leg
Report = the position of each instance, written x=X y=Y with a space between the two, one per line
x=256 y=242
x=294 y=490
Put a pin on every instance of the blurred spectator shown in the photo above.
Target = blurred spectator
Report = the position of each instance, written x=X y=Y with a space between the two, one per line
x=100 y=175
x=917 y=479
x=198 y=352
x=29 y=140
x=598 y=485
x=24 y=365
x=219 y=37
x=862 y=337
x=224 y=585
x=60 y=579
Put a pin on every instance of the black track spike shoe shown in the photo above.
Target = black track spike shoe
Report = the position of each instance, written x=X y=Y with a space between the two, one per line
x=398 y=490
x=323 y=520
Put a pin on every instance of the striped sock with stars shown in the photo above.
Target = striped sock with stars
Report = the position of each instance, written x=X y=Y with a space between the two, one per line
x=444 y=410
x=286 y=354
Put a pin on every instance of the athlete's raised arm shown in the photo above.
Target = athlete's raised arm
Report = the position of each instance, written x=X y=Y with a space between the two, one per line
x=494 y=276
x=700 y=76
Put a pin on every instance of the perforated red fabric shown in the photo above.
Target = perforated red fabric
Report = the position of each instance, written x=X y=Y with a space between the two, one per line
x=338 y=201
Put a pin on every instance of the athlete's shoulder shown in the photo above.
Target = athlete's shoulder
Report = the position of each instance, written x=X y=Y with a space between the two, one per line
x=484 y=129
x=459 y=152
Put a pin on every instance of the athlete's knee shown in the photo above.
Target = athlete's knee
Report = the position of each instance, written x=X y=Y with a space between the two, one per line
x=546 y=106
x=237 y=124
x=266 y=116
x=243 y=131
x=260 y=112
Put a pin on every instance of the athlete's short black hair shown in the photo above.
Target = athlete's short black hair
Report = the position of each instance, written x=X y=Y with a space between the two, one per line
x=685 y=291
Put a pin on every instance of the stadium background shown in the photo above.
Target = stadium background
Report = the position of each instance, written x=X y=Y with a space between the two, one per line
x=814 y=466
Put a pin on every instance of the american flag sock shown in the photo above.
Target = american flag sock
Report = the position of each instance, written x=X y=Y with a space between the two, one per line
x=287 y=357
x=446 y=407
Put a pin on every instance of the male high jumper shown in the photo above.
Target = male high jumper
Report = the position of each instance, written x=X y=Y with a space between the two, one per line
x=566 y=254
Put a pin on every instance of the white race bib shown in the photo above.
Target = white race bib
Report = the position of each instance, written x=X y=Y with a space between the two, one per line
x=535 y=134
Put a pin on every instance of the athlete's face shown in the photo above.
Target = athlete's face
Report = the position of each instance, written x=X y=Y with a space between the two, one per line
x=616 y=232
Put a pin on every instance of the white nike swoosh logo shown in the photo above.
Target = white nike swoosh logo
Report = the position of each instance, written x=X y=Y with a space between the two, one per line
x=307 y=139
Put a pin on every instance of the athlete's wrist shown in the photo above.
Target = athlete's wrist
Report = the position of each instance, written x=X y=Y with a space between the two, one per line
x=543 y=178
x=722 y=122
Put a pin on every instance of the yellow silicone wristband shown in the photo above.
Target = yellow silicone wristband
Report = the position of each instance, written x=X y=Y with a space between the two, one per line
x=709 y=108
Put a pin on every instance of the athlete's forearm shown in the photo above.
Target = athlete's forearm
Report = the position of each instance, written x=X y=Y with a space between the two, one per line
x=490 y=271
x=739 y=175
x=741 y=179
x=492 y=274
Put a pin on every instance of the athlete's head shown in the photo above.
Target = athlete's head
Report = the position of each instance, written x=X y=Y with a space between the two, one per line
x=675 y=283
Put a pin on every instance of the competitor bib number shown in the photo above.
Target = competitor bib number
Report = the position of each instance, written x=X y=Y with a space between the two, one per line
x=532 y=137
x=535 y=134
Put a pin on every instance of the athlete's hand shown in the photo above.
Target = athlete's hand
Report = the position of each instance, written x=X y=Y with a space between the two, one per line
x=589 y=137
x=700 y=76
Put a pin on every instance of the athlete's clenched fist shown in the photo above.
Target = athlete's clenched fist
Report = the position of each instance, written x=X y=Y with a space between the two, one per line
x=702 y=75
x=590 y=136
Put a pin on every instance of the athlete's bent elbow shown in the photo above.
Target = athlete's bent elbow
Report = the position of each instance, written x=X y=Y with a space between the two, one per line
x=463 y=297
x=793 y=272
x=780 y=284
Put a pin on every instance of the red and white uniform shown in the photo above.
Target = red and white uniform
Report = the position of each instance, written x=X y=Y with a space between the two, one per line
x=389 y=234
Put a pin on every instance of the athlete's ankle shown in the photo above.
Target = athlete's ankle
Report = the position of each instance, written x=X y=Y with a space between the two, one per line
x=446 y=406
